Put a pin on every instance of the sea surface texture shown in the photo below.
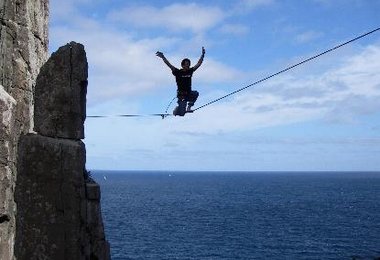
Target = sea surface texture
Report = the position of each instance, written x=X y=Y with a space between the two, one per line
x=214 y=215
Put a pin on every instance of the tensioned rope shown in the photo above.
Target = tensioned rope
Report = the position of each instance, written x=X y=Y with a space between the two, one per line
x=163 y=115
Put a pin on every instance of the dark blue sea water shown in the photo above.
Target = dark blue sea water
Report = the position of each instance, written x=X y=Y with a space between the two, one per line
x=208 y=215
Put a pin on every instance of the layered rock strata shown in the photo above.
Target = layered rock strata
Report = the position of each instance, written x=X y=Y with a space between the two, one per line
x=60 y=94
x=57 y=214
x=7 y=205
x=58 y=205
x=23 y=49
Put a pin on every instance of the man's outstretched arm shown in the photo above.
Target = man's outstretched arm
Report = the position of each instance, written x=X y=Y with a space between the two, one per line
x=162 y=56
x=199 y=63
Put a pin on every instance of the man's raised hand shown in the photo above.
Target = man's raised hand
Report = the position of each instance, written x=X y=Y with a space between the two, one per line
x=160 y=54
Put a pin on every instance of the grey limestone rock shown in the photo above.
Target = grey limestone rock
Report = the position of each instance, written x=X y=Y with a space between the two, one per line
x=60 y=94
x=7 y=179
x=100 y=247
x=23 y=49
x=50 y=198
x=59 y=214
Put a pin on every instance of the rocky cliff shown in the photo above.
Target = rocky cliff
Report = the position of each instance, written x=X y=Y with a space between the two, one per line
x=58 y=204
x=23 y=49
x=49 y=208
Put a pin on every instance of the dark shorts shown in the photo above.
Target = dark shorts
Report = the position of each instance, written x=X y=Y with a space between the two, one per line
x=188 y=97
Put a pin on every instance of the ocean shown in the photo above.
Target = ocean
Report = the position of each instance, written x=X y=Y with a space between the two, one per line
x=241 y=215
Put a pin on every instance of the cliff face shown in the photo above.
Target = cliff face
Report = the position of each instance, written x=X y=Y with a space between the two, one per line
x=58 y=205
x=49 y=208
x=23 y=49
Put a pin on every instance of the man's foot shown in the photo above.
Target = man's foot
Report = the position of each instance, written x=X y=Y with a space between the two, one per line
x=175 y=111
x=188 y=109
x=180 y=110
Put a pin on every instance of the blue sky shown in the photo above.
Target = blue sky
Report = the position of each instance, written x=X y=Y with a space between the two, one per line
x=324 y=115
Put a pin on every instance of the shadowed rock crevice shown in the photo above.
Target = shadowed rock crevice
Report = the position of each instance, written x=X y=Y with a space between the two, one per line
x=4 y=218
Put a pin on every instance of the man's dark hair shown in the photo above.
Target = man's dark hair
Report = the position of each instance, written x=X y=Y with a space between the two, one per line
x=184 y=60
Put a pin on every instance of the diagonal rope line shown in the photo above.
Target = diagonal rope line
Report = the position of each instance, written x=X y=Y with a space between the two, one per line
x=170 y=103
x=288 y=68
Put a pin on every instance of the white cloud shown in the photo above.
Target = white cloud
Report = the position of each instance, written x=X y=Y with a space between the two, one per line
x=234 y=29
x=340 y=3
x=244 y=6
x=213 y=72
x=175 y=17
x=256 y=3
x=67 y=12
x=308 y=36
x=118 y=64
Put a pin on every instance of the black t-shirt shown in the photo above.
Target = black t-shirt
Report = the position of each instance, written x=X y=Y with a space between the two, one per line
x=183 y=79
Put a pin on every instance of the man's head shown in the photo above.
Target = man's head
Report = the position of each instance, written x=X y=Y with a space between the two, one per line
x=185 y=63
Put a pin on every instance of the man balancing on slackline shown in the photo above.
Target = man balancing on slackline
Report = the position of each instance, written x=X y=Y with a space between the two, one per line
x=185 y=94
